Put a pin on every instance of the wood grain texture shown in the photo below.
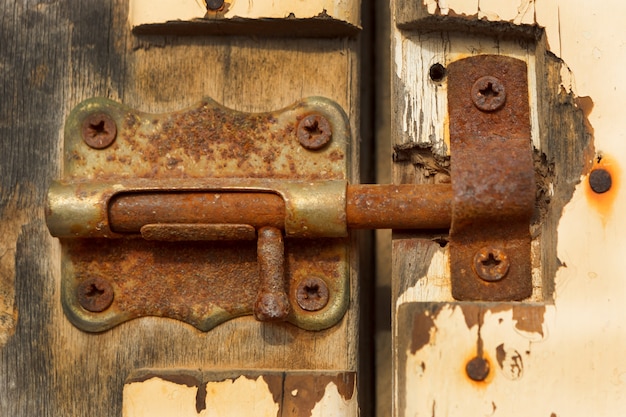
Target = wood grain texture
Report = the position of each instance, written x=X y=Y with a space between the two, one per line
x=563 y=151
x=56 y=54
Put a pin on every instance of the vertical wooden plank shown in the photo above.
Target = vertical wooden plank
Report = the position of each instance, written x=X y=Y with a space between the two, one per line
x=57 y=54
x=546 y=352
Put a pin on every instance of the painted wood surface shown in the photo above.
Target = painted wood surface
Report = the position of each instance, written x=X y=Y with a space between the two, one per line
x=266 y=393
x=559 y=352
x=146 y=11
x=56 y=54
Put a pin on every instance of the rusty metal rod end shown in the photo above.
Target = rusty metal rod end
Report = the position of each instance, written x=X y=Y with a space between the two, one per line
x=272 y=303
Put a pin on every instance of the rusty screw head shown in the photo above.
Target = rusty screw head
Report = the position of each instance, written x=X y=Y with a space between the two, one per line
x=99 y=130
x=600 y=180
x=488 y=94
x=214 y=4
x=477 y=369
x=312 y=294
x=491 y=264
x=95 y=294
x=314 y=132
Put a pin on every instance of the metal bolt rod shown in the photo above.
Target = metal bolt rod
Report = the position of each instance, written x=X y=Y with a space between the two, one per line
x=367 y=207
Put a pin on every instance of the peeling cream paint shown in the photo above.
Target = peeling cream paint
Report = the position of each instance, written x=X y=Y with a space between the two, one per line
x=242 y=397
x=423 y=114
x=333 y=404
x=143 y=12
x=169 y=393
x=575 y=365
x=436 y=381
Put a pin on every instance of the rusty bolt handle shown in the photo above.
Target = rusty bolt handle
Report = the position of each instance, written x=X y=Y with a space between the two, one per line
x=272 y=303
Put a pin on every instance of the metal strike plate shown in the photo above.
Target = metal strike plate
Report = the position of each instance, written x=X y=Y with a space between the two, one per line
x=110 y=276
x=493 y=180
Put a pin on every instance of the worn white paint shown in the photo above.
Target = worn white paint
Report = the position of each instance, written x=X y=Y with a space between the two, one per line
x=334 y=405
x=436 y=382
x=577 y=368
x=424 y=111
x=242 y=397
x=143 y=12
x=239 y=397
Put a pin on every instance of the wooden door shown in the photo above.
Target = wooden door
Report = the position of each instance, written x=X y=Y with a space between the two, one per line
x=557 y=352
x=251 y=59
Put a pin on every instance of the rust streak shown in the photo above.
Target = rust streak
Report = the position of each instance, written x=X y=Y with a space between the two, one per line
x=529 y=319
x=303 y=391
x=423 y=323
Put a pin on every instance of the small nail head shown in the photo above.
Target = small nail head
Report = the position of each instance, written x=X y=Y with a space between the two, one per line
x=600 y=180
x=214 y=5
x=477 y=369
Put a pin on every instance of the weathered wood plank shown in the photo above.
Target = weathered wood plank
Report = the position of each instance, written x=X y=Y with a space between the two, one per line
x=570 y=334
x=57 y=54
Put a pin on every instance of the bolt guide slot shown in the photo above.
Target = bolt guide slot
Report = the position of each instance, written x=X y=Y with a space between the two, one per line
x=207 y=214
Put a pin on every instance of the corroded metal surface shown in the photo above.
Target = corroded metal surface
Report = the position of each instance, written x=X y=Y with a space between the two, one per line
x=492 y=178
x=108 y=210
x=206 y=141
x=272 y=303
x=196 y=157
x=405 y=206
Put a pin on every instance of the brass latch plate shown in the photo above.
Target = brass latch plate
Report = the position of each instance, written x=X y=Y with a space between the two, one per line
x=180 y=270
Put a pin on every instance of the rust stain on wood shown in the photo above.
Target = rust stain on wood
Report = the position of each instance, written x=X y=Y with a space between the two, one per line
x=602 y=202
x=13 y=219
x=275 y=385
x=303 y=391
x=529 y=319
x=423 y=323
x=473 y=314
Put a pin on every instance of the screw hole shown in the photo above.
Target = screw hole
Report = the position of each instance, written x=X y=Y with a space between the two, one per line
x=437 y=72
x=441 y=242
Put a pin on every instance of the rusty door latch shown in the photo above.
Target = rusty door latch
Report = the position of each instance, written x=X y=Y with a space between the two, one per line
x=206 y=214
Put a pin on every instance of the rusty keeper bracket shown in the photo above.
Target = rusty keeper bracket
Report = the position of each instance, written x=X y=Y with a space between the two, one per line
x=207 y=214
